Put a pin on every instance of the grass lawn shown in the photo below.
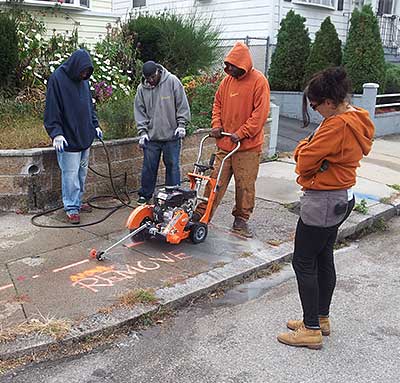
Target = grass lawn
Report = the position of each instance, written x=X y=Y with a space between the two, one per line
x=24 y=132
x=27 y=131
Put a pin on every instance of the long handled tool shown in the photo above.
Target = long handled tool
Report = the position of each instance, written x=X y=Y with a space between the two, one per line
x=101 y=255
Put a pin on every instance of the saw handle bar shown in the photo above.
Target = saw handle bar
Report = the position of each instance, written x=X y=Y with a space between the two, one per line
x=223 y=161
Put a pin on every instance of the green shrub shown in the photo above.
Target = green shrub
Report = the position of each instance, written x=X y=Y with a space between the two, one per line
x=363 y=55
x=116 y=116
x=392 y=78
x=8 y=50
x=326 y=51
x=289 y=58
x=183 y=44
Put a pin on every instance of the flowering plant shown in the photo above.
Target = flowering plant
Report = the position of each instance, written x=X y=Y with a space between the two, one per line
x=102 y=91
x=201 y=91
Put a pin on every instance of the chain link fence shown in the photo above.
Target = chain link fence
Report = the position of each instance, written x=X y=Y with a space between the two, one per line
x=259 y=48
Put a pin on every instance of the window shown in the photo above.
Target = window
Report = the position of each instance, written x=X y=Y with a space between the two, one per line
x=340 y=5
x=317 y=3
x=385 y=7
x=71 y=4
x=138 y=3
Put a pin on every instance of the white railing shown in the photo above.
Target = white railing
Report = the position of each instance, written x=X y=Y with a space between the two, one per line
x=387 y=96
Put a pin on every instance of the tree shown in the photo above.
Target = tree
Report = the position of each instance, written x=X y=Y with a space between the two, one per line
x=326 y=51
x=8 y=50
x=292 y=50
x=363 y=55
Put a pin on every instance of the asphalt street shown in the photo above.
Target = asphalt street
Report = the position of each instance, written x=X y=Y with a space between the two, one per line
x=232 y=339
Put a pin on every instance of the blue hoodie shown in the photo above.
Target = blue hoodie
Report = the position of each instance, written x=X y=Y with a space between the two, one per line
x=69 y=107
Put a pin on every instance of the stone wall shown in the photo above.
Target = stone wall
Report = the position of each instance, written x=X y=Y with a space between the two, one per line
x=30 y=179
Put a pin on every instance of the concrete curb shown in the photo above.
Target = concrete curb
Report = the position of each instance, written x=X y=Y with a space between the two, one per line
x=178 y=295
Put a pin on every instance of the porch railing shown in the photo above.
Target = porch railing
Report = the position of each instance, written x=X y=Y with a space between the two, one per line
x=389 y=27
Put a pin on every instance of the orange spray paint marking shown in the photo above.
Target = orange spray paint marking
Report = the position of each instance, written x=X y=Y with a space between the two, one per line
x=90 y=272
x=21 y=278
x=69 y=266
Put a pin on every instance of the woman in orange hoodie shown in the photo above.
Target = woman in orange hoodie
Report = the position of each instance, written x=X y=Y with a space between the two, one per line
x=326 y=163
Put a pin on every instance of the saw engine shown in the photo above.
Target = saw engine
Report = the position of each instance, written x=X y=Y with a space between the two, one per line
x=171 y=200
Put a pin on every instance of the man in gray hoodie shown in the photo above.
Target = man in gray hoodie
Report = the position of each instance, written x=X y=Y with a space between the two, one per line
x=161 y=114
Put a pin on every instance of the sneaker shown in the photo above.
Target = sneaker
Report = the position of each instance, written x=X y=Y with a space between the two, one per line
x=323 y=323
x=86 y=208
x=241 y=227
x=74 y=218
x=142 y=201
x=302 y=337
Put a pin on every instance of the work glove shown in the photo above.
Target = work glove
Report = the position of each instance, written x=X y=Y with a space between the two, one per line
x=235 y=138
x=99 y=133
x=143 y=140
x=216 y=132
x=180 y=132
x=58 y=143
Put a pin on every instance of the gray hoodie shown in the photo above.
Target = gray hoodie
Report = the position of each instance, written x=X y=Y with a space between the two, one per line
x=161 y=109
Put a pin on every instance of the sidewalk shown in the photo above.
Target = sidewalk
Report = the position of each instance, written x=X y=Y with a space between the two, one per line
x=47 y=274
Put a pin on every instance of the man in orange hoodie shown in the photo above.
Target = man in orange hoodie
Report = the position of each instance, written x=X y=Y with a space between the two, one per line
x=241 y=107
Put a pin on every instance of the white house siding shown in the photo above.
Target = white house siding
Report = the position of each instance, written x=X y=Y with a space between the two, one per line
x=91 y=24
x=101 y=5
x=235 y=18
x=314 y=16
x=91 y=29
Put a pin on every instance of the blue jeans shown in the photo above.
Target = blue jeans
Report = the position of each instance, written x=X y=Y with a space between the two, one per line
x=74 y=167
x=151 y=160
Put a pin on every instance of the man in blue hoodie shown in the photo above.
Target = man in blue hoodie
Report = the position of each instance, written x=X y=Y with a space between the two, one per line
x=161 y=114
x=71 y=122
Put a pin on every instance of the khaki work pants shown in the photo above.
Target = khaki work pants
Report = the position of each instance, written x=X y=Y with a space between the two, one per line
x=244 y=168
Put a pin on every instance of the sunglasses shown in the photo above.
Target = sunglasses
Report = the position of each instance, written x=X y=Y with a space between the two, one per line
x=314 y=106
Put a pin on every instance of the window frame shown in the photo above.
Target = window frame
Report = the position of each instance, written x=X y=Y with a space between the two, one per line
x=382 y=11
x=139 y=6
x=76 y=5
x=308 y=4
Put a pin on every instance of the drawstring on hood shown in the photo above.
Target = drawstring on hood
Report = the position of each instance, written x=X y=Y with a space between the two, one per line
x=76 y=64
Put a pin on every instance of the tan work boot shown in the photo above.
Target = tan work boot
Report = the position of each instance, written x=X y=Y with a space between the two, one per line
x=302 y=337
x=323 y=323
x=241 y=227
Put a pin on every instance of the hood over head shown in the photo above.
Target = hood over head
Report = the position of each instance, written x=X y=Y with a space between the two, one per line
x=240 y=56
x=360 y=124
x=78 y=62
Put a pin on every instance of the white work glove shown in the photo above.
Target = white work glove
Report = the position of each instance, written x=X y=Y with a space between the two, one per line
x=180 y=132
x=58 y=143
x=99 y=133
x=143 y=140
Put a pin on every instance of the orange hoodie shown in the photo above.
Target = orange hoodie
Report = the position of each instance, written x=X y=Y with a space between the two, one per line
x=241 y=105
x=342 y=140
